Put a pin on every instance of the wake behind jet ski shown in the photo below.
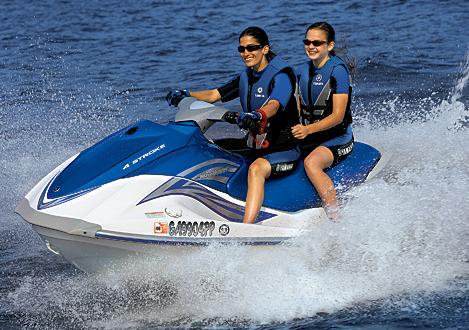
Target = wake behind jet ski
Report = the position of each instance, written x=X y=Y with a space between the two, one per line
x=164 y=190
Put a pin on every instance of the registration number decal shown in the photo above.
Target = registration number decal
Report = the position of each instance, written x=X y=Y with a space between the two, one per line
x=191 y=228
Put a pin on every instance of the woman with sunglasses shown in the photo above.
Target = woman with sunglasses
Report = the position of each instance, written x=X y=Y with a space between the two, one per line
x=325 y=95
x=266 y=92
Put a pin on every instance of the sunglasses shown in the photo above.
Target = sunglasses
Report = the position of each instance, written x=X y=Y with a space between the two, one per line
x=249 y=48
x=316 y=43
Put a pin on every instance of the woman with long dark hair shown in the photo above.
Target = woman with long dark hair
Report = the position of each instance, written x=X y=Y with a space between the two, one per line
x=266 y=92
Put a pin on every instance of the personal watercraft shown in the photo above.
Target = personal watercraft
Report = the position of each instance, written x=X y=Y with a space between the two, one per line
x=165 y=190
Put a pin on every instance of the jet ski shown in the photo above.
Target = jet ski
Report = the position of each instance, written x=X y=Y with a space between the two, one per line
x=167 y=190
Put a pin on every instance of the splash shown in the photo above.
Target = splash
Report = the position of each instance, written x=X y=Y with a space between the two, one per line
x=462 y=81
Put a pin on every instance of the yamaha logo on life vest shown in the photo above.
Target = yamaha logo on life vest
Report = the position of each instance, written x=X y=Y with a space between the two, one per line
x=318 y=80
x=259 y=93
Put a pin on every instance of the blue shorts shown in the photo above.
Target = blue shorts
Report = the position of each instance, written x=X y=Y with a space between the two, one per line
x=340 y=140
x=281 y=162
x=340 y=146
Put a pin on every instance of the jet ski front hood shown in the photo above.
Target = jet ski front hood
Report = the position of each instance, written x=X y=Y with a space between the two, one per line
x=117 y=156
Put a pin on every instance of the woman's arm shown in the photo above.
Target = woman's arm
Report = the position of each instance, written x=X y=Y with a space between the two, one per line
x=211 y=95
x=225 y=93
x=271 y=108
x=279 y=96
x=339 y=102
x=334 y=119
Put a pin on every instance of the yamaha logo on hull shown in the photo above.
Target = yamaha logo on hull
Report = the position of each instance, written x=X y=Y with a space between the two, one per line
x=224 y=230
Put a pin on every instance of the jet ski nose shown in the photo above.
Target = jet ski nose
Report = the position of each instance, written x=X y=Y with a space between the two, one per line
x=119 y=155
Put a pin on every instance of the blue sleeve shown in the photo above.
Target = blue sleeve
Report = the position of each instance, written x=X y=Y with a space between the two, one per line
x=282 y=90
x=342 y=79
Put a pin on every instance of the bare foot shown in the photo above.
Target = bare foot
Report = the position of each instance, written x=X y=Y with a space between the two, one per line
x=332 y=213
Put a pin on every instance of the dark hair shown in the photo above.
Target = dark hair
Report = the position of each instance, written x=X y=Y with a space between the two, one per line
x=326 y=27
x=261 y=36
x=330 y=32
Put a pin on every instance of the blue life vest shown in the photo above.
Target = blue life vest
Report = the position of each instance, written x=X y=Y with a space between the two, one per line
x=315 y=110
x=253 y=94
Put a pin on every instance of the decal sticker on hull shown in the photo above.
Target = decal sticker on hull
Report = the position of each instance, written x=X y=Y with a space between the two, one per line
x=145 y=155
x=191 y=228
x=160 y=228
x=155 y=215
x=224 y=230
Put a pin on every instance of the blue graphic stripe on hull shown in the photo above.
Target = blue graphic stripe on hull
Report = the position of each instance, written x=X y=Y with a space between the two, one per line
x=183 y=187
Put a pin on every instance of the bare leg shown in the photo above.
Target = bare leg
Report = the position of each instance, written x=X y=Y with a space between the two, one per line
x=259 y=171
x=315 y=163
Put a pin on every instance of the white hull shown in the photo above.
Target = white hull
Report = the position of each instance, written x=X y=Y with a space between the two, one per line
x=106 y=228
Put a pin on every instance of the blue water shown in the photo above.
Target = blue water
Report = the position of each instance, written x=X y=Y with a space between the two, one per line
x=75 y=71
